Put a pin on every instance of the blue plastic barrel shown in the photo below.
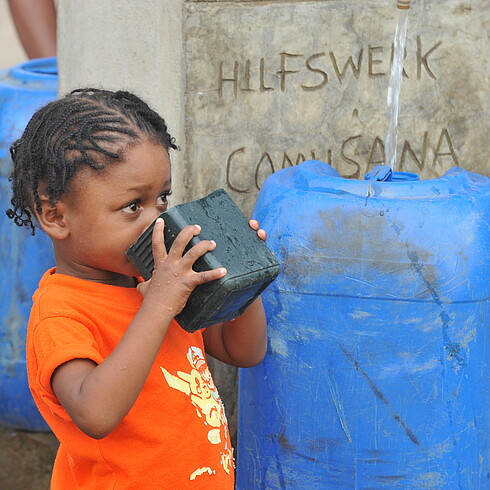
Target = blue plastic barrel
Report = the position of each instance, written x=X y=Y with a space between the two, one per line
x=377 y=373
x=23 y=258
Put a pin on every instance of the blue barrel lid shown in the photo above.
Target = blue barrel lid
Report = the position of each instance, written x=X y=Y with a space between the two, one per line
x=384 y=173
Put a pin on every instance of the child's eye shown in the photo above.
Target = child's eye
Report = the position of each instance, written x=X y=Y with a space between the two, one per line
x=163 y=198
x=131 y=208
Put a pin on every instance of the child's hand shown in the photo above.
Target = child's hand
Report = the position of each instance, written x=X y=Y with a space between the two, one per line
x=254 y=224
x=173 y=278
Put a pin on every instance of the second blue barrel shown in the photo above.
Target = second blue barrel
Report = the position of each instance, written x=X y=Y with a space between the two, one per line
x=377 y=373
x=23 y=258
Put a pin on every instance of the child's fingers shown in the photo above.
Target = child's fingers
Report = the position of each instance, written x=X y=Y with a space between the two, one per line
x=182 y=240
x=262 y=234
x=157 y=241
x=254 y=224
x=212 y=275
x=198 y=250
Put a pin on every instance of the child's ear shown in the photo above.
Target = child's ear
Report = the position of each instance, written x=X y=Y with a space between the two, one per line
x=52 y=219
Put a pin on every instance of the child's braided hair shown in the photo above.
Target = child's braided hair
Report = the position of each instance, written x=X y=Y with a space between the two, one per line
x=86 y=127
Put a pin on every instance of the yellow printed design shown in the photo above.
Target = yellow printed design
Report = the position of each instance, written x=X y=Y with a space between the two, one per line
x=198 y=384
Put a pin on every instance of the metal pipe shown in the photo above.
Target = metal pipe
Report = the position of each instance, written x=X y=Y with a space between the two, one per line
x=403 y=4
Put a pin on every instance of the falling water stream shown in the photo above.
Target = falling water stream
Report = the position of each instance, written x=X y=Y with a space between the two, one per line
x=394 y=88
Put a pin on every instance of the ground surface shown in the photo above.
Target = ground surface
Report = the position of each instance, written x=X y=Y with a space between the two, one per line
x=26 y=459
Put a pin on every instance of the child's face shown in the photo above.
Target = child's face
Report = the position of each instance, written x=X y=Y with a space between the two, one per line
x=109 y=210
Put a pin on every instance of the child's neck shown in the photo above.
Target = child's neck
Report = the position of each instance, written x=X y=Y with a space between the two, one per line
x=118 y=280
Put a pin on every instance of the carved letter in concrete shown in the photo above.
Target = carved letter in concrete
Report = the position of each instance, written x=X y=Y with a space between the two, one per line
x=356 y=70
x=229 y=172
x=222 y=79
x=444 y=138
x=283 y=72
x=323 y=74
x=348 y=160
x=422 y=58
x=373 y=61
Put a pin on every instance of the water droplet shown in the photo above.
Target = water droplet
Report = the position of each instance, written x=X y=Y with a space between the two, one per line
x=381 y=213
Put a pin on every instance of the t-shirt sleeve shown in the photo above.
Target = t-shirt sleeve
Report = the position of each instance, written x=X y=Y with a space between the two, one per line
x=54 y=342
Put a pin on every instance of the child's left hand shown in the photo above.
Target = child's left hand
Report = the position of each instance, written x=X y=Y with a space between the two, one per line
x=254 y=224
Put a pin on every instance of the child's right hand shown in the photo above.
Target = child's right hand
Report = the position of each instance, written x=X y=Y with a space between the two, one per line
x=173 y=278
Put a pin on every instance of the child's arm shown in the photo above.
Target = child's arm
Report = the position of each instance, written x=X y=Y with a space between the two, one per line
x=97 y=397
x=241 y=342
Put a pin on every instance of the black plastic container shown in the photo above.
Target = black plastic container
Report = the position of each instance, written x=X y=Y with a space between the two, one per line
x=250 y=264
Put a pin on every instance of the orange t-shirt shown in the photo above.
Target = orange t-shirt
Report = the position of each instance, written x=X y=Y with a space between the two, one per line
x=175 y=436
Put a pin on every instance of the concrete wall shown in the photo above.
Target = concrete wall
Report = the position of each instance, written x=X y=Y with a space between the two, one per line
x=129 y=45
x=272 y=83
x=249 y=87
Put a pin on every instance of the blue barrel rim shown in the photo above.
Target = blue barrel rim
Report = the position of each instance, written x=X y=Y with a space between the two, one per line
x=36 y=69
x=326 y=179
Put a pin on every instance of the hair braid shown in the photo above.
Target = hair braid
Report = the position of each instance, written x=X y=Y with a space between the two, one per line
x=88 y=127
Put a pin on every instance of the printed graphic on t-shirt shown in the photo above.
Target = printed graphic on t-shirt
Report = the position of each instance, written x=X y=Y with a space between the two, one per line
x=198 y=384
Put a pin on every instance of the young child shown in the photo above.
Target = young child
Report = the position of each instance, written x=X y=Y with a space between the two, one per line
x=125 y=389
